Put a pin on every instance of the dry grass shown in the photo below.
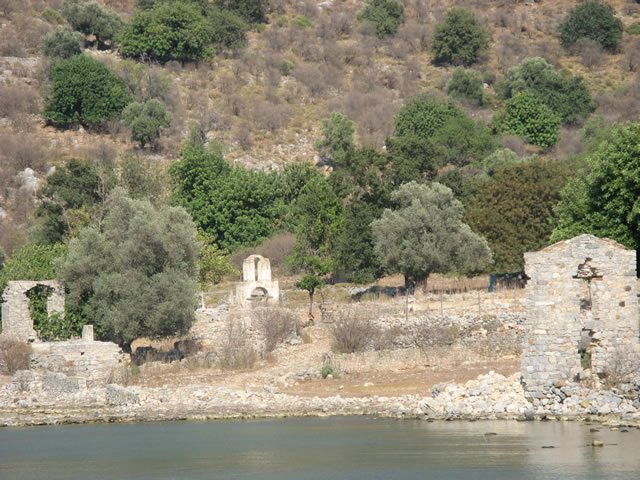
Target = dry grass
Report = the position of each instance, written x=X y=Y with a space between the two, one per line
x=237 y=352
x=352 y=331
x=14 y=356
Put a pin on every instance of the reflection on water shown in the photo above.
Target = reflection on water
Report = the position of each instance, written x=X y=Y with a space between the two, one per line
x=331 y=448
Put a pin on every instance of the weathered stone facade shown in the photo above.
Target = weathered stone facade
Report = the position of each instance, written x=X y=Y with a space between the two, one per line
x=16 y=318
x=582 y=312
x=257 y=284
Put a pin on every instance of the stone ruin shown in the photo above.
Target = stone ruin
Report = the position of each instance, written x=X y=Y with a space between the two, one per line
x=257 y=285
x=582 y=312
x=85 y=360
x=16 y=318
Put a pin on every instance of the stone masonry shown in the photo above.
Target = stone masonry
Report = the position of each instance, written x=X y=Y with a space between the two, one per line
x=16 y=318
x=257 y=284
x=582 y=312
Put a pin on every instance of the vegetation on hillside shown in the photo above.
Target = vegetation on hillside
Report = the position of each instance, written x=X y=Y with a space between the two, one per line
x=218 y=109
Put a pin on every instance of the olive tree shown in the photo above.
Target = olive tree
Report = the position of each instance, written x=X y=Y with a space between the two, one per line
x=138 y=276
x=146 y=120
x=425 y=234
x=92 y=18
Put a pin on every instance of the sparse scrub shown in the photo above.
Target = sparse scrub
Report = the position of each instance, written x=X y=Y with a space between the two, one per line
x=466 y=85
x=236 y=352
x=622 y=368
x=14 y=356
x=351 y=331
x=275 y=324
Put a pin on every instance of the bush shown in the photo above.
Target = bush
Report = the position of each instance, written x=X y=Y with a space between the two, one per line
x=633 y=29
x=85 y=91
x=385 y=15
x=52 y=16
x=462 y=140
x=593 y=20
x=14 y=356
x=92 y=18
x=459 y=39
x=302 y=21
x=527 y=116
x=466 y=85
x=229 y=29
x=568 y=97
x=276 y=326
x=146 y=120
x=63 y=43
x=252 y=11
x=169 y=31
x=236 y=352
x=351 y=332
x=423 y=115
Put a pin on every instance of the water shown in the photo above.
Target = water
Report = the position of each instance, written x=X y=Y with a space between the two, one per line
x=314 y=448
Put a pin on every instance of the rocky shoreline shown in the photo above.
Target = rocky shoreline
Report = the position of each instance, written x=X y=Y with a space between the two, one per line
x=52 y=399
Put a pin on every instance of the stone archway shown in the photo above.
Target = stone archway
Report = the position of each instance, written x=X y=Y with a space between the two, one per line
x=16 y=317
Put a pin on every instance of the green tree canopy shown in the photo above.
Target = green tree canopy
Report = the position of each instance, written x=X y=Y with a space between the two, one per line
x=73 y=197
x=459 y=39
x=32 y=262
x=252 y=11
x=137 y=277
x=337 y=136
x=168 y=31
x=235 y=205
x=425 y=234
x=593 y=20
x=466 y=84
x=604 y=202
x=146 y=120
x=513 y=210
x=423 y=115
x=413 y=158
x=92 y=18
x=568 y=97
x=527 y=116
x=85 y=91
x=62 y=43
x=385 y=15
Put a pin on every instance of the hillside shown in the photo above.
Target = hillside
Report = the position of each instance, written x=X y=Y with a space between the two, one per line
x=266 y=112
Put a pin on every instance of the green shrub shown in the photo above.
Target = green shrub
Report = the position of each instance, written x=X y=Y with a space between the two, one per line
x=466 y=85
x=326 y=371
x=593 y=20
x=52 y=16
x=385 y=15
x=85 y=91
x=302 y=21
x=63 y=43
x=286 y=67
x=252 y=11
x=568 y=97
x=146 y=120
x=282 y=21
x=169 y=31
x=462 y=140
x=633 y=29
x=499 y=159
x=488 y=77
x=92 y=18
x=527 y=116
x=229 y=29
x=423 y=115
x=459 y=39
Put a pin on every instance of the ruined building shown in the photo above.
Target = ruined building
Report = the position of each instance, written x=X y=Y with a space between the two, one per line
x=582 y=311
x=257 y=284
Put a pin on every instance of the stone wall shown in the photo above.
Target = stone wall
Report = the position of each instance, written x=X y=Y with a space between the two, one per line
x=16 y=318
x=582 y=312
x=93 y=362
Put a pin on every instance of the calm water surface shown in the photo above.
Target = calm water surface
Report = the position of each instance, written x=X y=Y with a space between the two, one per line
x=329 y=448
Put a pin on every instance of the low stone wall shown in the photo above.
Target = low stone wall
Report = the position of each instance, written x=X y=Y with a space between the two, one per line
x=94 y=362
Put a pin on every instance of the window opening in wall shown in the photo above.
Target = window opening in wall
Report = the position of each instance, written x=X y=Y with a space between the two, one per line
x=256 y=262
x=584 y=348
x=38 y=310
